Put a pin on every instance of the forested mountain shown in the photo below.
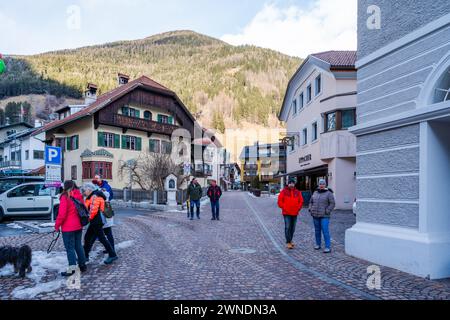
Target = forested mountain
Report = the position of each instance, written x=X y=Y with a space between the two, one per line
x=223 y=85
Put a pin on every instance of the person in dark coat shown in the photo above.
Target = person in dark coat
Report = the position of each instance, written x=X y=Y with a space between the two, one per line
x=321 y=205
x=194 y=194
x=95 y=203
x=214 y=193
x=103 y=184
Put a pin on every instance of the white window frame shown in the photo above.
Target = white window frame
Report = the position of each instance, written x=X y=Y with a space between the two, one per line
x=316 y=123
x=301 y=98
x=305 y=136
x=309 y=87
x=316 y=94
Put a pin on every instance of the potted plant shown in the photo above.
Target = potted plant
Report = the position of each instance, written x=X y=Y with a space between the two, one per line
x=256 y=187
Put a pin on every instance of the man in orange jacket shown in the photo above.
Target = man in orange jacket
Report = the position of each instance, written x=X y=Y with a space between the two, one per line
x=290 y=201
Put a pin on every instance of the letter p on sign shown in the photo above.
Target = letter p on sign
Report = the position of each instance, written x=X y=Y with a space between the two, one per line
x=52 y=155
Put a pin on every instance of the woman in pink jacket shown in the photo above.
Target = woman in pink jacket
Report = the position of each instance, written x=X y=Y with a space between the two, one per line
x=68 y=221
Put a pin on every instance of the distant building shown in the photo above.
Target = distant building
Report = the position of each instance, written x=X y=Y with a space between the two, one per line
x=318 y=108
x=116 y=127
x=403 y=137
x=20 y=150
x=265 y=161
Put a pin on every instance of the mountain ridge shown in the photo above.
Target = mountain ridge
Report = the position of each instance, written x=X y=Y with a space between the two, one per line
x=224 y=86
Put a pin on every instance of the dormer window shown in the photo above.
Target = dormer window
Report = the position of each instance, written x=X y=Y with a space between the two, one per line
x=131 y=112
x=442 y=90
x=165 y=119
x=147 y=115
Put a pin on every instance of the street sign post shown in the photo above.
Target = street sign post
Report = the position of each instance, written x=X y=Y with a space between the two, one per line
x=53 y=165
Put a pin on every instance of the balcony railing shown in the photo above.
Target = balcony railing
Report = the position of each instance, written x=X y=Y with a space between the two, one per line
x=10 y=164
x=139 y=124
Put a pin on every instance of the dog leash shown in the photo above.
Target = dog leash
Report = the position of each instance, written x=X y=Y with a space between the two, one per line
x=54 y=241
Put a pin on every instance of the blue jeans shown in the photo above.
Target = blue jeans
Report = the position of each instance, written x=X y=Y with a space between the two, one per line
x=321 y=225
x=215 y=208
x=197 y=204
x=289 y=227
x=74 y=249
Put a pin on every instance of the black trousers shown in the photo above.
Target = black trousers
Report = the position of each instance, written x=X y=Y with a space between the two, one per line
x=95 y=231
x=109 y=236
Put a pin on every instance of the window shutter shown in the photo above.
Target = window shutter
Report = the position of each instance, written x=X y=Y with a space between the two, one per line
x=138 y=144
x=159 y=118
x=117 y=141
x=124 y=142
x=77 y=142
x=171 y=120
x=69 y=147
x=101 y=139
x=137 y=114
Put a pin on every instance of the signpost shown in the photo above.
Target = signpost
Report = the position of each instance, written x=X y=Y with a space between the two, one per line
x=53 y=165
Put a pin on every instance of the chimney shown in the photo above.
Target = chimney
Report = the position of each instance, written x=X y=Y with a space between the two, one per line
x=90 y=95
x=37 y=123
x=122 y=79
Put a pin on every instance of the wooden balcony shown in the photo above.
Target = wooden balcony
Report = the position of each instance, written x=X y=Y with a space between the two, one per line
x=125 y=122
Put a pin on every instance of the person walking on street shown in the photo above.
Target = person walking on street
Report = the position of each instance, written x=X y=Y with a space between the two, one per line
x=321 y=205
x=290 y=202
x=194 y=193
x=104 y=185
x=95 y=203
x=214 y=193
x=109 y=217
x=68 y=221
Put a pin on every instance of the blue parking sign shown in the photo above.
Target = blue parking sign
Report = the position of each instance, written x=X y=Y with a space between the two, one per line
x=53 y=155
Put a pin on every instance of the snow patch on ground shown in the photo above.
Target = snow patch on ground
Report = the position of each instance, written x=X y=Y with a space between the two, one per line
x=7 y=271
x=252 y=195
x=125 y=245
x=44 y=263
x=47 y=225
x=14 y=226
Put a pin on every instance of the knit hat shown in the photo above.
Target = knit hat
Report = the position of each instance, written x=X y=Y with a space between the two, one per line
x=292 y=181
x=322 y=182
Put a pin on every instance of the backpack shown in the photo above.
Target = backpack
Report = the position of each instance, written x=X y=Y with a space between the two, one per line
x=109 y=211
x=83 y=212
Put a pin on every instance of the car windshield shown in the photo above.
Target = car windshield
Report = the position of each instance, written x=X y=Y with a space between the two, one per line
x=6 y=184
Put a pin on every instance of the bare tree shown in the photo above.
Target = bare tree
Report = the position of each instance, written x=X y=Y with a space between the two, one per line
x=149 y=171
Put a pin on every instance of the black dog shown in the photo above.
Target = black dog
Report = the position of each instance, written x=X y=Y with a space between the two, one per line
x=20 y=258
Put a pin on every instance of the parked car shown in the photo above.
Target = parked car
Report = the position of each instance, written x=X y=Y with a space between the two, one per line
x=9 y=182
x=29 y=199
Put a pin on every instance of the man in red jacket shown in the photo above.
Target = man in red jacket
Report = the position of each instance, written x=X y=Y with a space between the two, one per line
x=290 y=201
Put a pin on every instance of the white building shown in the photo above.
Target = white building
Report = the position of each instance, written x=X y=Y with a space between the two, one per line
x=20 y=150
x=319 y=107
x=403 y=137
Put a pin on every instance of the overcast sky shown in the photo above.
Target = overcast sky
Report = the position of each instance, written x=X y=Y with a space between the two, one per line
x=294 y=27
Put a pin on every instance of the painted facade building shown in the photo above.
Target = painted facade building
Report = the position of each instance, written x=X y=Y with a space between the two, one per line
x=267 y=162
x=115 y=128
x=403 y=137
x=318 y=108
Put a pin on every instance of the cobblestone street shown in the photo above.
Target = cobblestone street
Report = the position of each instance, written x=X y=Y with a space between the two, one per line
x=166 y=256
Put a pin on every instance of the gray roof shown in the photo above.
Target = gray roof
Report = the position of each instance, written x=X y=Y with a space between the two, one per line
x=99 y=153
